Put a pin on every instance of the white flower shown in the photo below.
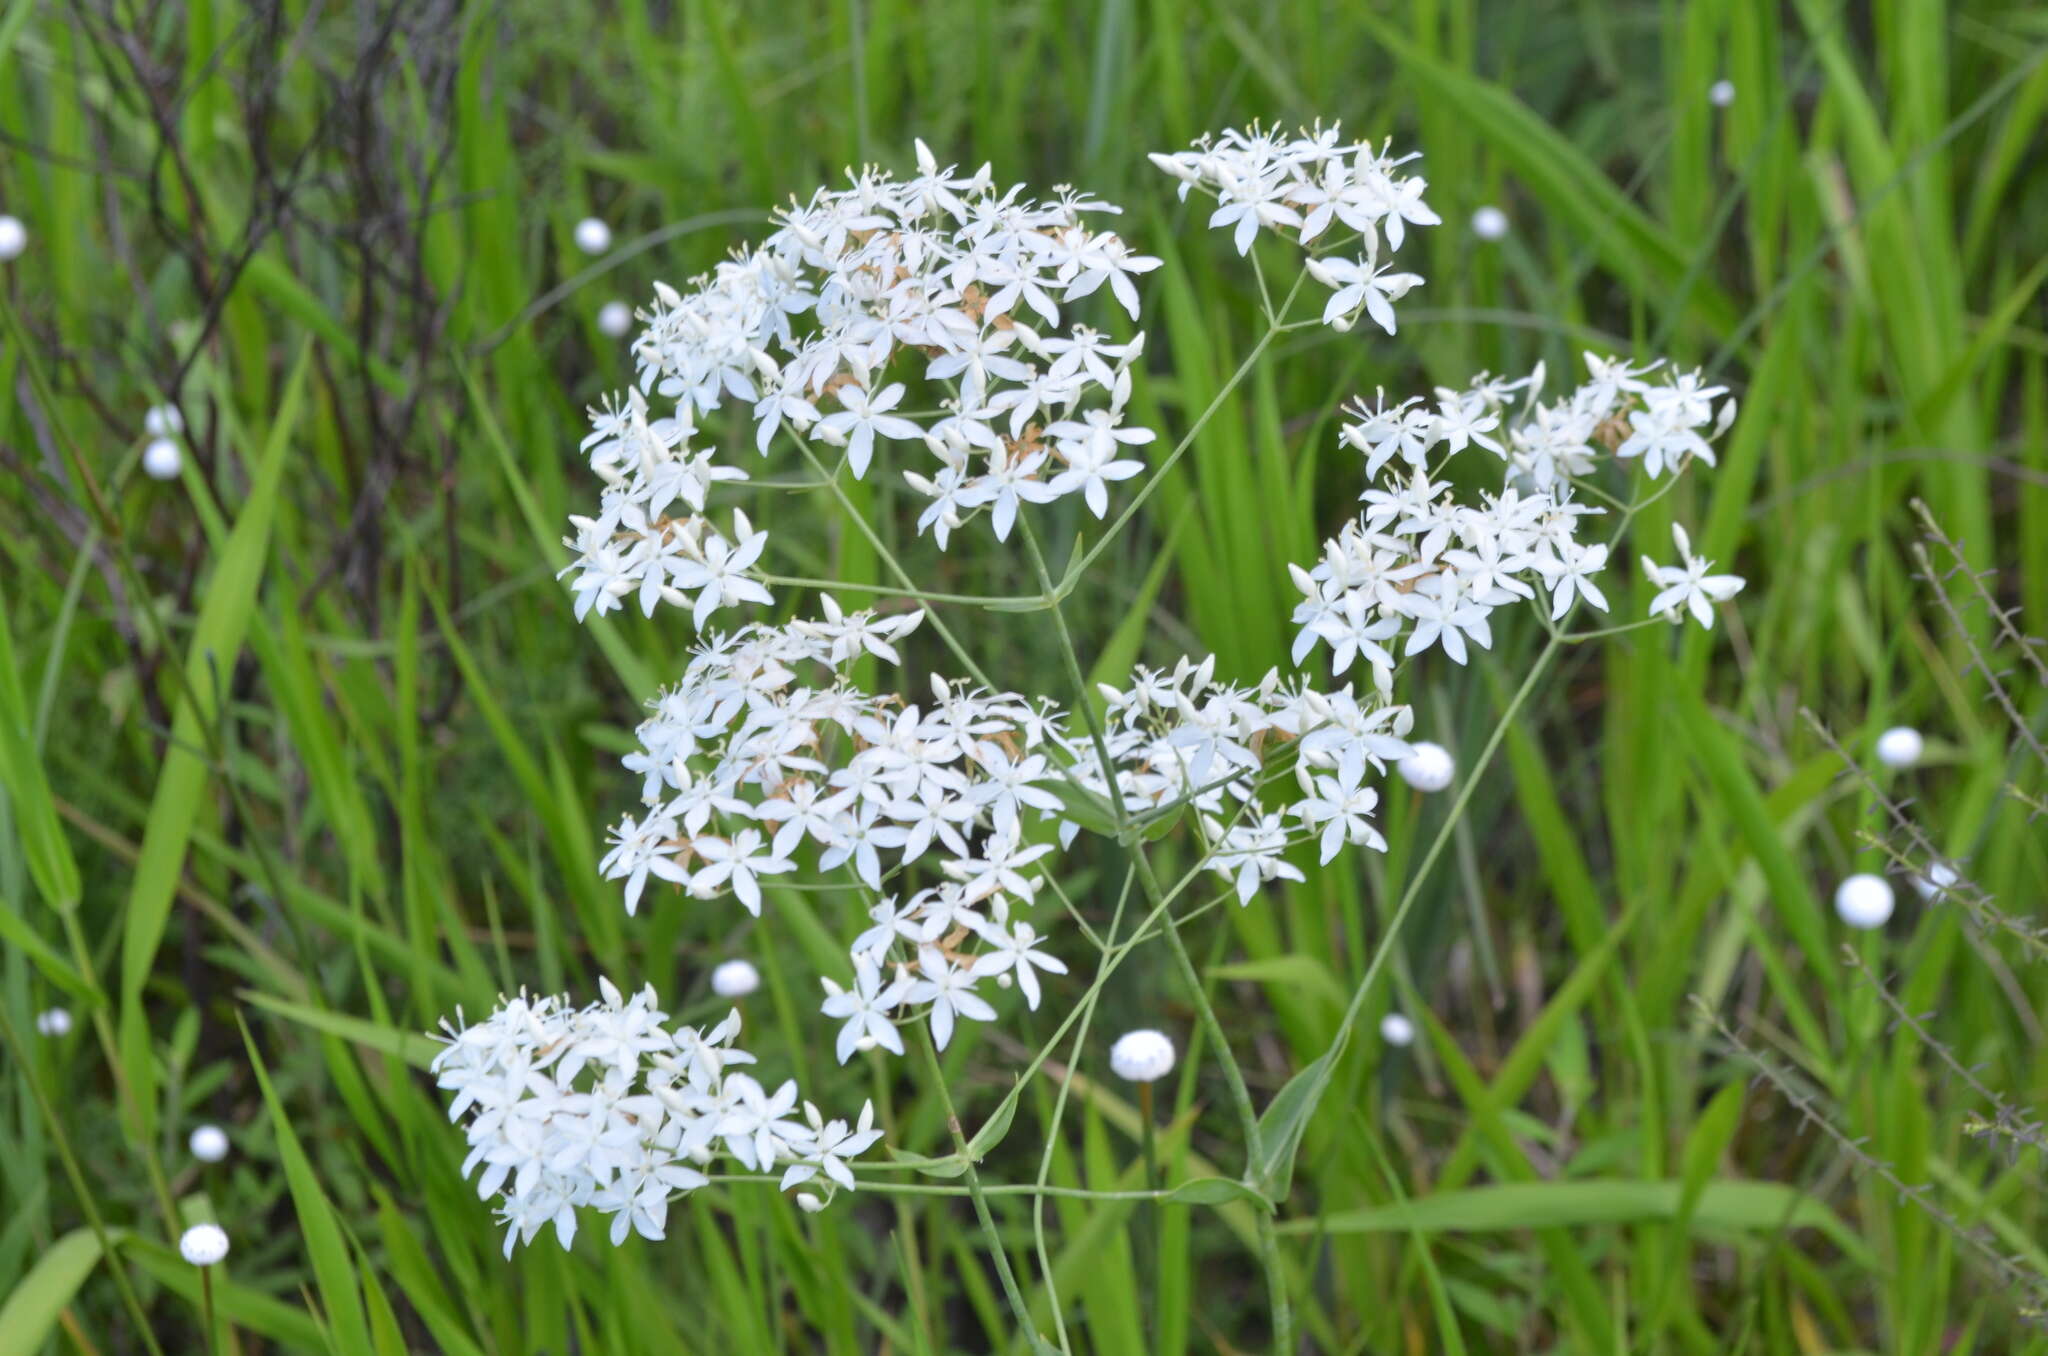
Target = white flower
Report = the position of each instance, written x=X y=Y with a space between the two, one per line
x=1014 y=953
x=1360 y=284
x=209 y=1143
x=949 y=988
x=1397 y=1030
x=161 y=459
x=163 y=421
x=1490 y=223
x=1939 y=878
x=735 y=978
x=607 y=1108
x=863 y=417
x=1900 y=746
x=593 y=236
x=54 y=1022
x=614 y=319
x=203 y=1245
x=1142 y=1056
x=1428 y=767
x=13 y=238
x=720 y=574
x=1864 y=901
x=1688 y=584
x=1721 y=93
x=865 y=1010
x=740 y=861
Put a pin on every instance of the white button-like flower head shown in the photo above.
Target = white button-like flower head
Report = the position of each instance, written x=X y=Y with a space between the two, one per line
x=1900 y=746
x=614 y=319
x=735 y=979
x=54 y=1022
x=161 y=460
x=1428 y=767
x=1721 y=93
x=1397 y=1030
x=1864 y=901
x=593 y=236
x=209 y=1143
x=13 y=238
x=1143 y=1056
x=1490 y=223
x=163 y=421
x=204 y=1245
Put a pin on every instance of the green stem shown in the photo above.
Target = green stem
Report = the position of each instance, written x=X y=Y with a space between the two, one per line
x=1015 y=1296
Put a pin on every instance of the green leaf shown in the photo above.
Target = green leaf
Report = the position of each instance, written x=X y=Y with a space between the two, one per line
x=1726 y=1205
x=1217 y=1191
x=414 y=1048
x=326 y=1245
x=993 y=1129
x=50 y=863
x=230 y=596
x=31 y=1310
x=952 y=1165
x=1284 y=1121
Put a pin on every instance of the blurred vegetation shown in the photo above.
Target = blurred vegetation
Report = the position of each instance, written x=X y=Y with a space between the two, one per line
x=304 y=750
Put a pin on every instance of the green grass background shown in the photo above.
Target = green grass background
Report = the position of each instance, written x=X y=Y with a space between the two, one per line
x=305 y=750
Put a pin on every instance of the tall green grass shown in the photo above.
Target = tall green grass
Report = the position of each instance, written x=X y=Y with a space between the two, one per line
x=305 y=750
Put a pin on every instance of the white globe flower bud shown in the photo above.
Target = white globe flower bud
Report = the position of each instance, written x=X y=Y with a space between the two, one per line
x=13 y=238
x=163 y=421
x=614 y=319
x=1864 y=901
x=1939 y=878
x=161 y=460
x=808 y=1203
x=1490 y=223
x=1142 y=1056
x=1900 y=746
x=1397 y=1030
x=1721 y=93
x=1428 y=767
x=204 y=1245
x=209 y=1144
x=54 y=1022
x=735 y=979
x=593 y=236
x=865 y=1044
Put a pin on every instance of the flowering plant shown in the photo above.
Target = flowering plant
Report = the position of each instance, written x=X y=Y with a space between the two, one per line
x=941 y=315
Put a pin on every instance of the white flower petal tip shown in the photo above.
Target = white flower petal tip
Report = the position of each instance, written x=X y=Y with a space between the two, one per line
x=735 y=979
x=593 y=236
x=1397 y=1030
x=1864 y=901
x=1143 y=1056
x=1490 y=223
x=1428 y=767
x=13 y=238
x=162 y=460
x=204 y=1245
x=1900 y=747
x=209 y=1143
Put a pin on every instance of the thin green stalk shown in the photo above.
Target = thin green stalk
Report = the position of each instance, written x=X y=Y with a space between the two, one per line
x=988 y=1224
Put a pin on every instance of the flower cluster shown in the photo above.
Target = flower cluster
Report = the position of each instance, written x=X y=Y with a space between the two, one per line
x=606 y=1107
x=1302 y=186
x=964 y=283
x=1417 y=568
x=766 y=751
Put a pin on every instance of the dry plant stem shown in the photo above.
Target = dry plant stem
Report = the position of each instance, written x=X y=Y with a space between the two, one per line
x=1018 y=1307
